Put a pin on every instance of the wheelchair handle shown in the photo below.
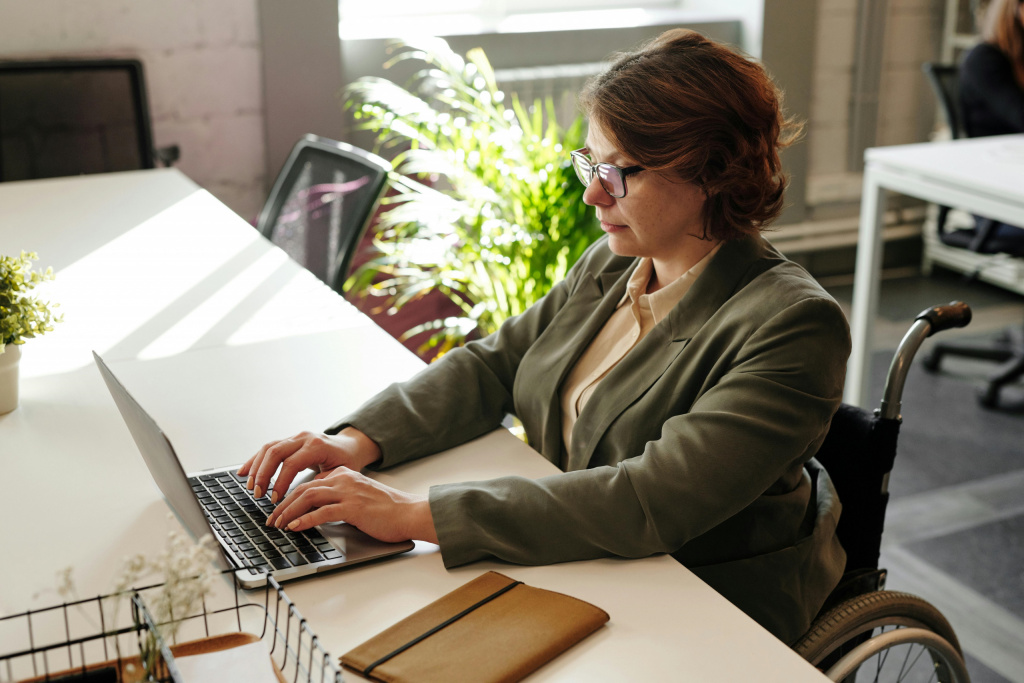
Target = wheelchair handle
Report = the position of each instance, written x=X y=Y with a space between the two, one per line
x=927 y=323
x=953 y=314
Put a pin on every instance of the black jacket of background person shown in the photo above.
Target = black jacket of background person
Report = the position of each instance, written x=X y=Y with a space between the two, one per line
x=992 y=101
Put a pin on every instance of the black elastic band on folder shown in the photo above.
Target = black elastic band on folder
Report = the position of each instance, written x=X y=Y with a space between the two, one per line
x=437 y=628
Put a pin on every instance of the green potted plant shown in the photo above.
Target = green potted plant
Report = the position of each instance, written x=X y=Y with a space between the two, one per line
x=21 y=317
x=486 y=206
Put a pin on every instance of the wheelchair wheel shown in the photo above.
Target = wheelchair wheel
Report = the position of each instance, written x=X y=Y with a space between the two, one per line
x=884 y=636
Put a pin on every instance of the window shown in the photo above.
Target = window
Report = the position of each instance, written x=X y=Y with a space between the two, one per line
x=361 y=19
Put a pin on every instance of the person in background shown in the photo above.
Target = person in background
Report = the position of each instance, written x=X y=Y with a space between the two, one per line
x=992 y=74
x=682 y=376
x=992 y=85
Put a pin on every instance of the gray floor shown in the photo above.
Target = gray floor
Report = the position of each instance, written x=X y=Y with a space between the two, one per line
x=955 y=524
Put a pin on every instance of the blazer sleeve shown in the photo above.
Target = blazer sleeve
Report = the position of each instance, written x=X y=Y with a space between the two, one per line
x=758 y=424
x=464 y=394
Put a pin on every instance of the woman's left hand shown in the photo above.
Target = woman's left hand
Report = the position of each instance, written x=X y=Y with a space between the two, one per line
x=344 y=495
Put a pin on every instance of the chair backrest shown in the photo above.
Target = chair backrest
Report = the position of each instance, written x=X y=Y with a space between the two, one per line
x=945 y=82
x=858 y=454
x=321 y=204
x=68 y=117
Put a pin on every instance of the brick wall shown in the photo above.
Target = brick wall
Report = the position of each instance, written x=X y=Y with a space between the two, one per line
x=202 y=63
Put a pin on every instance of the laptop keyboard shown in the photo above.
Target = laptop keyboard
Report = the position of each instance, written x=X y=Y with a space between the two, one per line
x=241 y=520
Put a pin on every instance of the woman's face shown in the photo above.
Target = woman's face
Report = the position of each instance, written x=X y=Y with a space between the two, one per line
x=659 y=218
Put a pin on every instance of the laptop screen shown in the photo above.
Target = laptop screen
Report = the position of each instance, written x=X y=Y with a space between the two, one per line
x=161 y=459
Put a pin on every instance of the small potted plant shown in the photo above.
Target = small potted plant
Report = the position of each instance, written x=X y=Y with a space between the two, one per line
x=21 y=317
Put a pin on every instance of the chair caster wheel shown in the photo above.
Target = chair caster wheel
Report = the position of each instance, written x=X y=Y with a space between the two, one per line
x=989 y=397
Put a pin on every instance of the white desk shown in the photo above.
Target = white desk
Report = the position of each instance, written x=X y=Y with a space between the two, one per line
x=228 y=345
x=981 y=175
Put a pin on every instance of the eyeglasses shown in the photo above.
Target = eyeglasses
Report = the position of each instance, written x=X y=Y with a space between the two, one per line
x=613 y=178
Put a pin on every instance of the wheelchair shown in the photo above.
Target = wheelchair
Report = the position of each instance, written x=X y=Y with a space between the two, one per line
x=864 y=632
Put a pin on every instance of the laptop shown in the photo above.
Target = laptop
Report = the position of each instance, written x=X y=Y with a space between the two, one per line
x=216 y=502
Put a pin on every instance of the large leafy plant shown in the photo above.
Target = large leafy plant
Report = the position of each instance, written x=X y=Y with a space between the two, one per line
x=486 y=207
x=22 y=316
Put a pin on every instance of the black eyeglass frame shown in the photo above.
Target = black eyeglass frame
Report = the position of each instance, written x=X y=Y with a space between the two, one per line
x=580 y=161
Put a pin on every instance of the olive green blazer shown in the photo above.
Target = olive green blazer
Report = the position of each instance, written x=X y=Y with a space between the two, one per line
x=699 y=443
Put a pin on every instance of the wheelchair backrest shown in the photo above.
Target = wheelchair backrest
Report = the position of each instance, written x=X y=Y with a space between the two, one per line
x=858 y=454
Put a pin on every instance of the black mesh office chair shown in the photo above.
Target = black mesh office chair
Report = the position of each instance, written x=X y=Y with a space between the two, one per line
x=984 y=238
x=944 y=79
x=864 y=629
x=321 y=204
x=69 y=117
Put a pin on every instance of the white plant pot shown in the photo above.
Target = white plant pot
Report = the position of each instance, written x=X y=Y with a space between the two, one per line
x=9 y=378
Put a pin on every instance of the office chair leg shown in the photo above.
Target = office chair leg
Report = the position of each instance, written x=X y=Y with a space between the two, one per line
x=1011 y=371
x=931 y=361
x=1007 y=349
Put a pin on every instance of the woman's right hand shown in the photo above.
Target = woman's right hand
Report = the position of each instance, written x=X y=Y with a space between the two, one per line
x=323 y=452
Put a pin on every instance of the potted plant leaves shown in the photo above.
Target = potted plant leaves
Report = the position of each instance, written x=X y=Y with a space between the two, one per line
x=22 y=317
x=485 y=208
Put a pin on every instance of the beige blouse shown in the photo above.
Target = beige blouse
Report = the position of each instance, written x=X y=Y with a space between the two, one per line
x=624 y=330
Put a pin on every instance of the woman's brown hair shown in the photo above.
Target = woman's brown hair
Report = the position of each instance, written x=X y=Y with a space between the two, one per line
x=1003 y=28
x=686 y=106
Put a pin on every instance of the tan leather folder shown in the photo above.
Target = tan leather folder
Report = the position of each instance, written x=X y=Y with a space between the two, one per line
x=491 y=629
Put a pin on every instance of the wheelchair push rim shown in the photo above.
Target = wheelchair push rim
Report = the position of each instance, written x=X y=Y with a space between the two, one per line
x=943 y=664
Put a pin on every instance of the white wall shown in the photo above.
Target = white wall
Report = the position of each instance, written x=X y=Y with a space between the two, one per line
x=202 y=61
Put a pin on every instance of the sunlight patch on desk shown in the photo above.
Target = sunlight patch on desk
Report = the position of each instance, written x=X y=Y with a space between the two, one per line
x=187 y=331
x=63 y=218
x=180 y=249
x=322 y=310
x=272 y=298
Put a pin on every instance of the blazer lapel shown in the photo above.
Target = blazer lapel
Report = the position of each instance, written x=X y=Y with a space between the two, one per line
x=738 y=262
x=620 y=388
x=735 y=264
x=570 y=333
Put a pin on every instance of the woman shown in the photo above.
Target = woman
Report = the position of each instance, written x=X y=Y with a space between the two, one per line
x=992 y=74
x=681 y=376
x=992 y=94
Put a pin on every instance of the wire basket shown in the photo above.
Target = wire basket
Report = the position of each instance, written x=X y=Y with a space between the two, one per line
x=82 y=642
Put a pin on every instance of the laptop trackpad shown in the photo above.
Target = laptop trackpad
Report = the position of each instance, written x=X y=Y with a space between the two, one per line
x=356 y=545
